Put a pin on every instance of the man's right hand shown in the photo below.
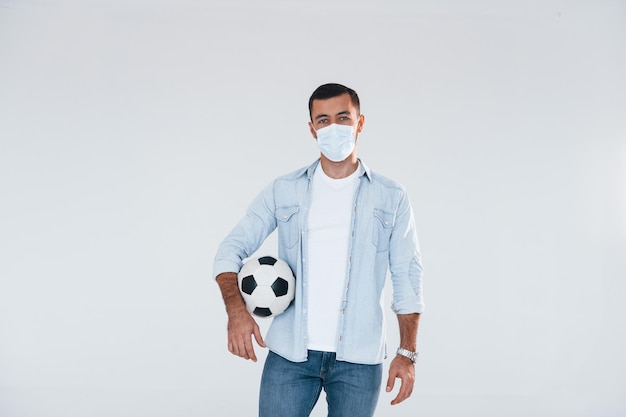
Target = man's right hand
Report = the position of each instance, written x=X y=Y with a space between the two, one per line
x=241 y=325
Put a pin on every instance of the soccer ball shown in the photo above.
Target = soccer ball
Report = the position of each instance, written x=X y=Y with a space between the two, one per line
x=267 y=286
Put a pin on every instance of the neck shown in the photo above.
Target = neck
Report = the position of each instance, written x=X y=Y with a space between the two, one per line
x=341 y=169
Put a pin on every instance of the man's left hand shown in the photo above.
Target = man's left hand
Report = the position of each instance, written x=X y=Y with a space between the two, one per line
x=404 y=369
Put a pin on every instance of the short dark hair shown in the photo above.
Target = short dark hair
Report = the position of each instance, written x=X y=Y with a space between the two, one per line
x=331 y=90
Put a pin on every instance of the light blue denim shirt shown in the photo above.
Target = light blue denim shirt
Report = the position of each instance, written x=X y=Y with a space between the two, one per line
x=383 y=239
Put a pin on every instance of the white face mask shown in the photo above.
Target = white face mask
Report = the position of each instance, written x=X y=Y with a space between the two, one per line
x=336 y=142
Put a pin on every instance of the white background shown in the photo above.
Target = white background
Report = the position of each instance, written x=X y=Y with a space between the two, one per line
x=133 y=135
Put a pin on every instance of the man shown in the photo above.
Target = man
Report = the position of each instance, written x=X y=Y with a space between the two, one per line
x=341 y=227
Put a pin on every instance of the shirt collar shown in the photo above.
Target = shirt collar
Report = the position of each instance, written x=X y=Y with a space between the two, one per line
x=363 y=169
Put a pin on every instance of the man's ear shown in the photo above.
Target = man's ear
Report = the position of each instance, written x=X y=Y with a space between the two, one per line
x=313 y=132
x=360 y=123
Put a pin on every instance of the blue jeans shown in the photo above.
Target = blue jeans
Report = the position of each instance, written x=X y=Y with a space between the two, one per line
x=291 y=389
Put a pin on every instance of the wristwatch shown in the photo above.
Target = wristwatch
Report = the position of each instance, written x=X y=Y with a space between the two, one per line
x=407 y=354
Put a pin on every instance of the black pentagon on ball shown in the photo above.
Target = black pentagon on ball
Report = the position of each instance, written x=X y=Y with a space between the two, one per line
x=280 y=287
x=267 y=260
x=248 y=284
x=262 y=312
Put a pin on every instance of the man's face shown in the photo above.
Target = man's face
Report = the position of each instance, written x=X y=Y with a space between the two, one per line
x=339 y=110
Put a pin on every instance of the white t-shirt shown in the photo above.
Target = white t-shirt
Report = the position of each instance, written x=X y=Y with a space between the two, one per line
x=329 y=226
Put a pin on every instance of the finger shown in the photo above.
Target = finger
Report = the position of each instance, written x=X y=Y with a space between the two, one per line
x=390 y=381
x=402 y=395
x=250 y=350
x=246 y=350
x=239 y=348
x=234 y=347
x=406 y=388
x=258 y=337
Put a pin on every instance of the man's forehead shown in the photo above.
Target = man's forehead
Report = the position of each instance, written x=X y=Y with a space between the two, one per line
x=334 y=105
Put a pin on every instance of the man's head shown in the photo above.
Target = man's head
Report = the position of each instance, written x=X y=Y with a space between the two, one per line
x=331 y=90
x=335 y=104
x=335 y=114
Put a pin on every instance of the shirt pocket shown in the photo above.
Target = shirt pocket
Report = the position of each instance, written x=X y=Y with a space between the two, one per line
x=288 y=226
x=383 y=225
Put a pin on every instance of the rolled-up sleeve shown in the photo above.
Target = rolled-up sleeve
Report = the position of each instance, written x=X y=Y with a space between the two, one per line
x=405 y=262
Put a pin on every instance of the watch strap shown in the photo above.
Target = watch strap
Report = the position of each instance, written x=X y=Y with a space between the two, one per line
x=407 y=354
